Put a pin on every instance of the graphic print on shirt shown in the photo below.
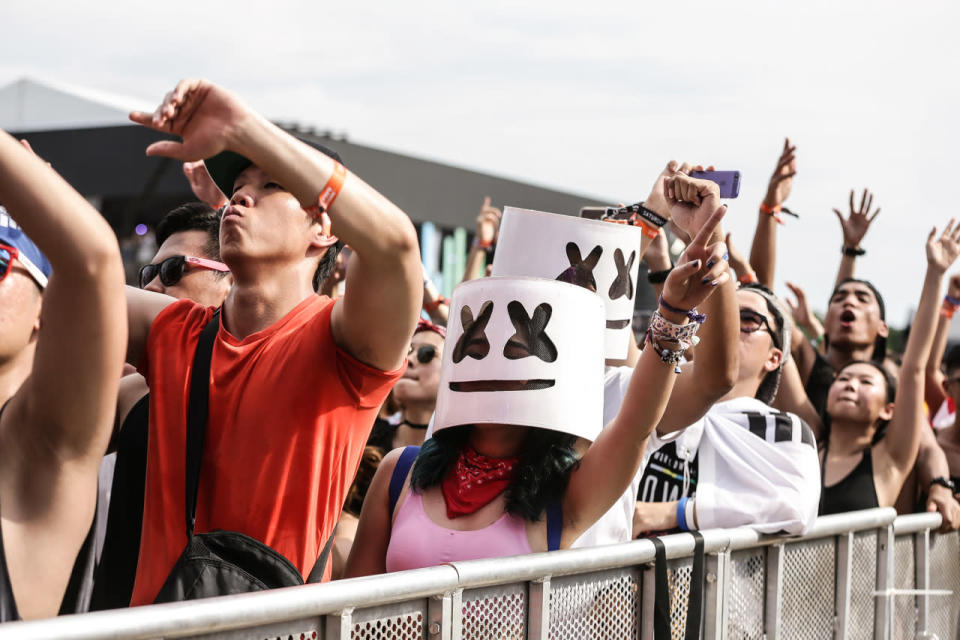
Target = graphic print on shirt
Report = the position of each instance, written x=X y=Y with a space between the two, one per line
x=663 y=477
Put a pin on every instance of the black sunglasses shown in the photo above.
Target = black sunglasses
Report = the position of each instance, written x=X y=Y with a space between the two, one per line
x=751 y=322
x=171 y=270
x=425 y=353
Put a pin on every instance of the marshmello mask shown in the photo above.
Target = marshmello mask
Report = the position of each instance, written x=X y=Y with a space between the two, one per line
x=600 y=256
x=523 y=351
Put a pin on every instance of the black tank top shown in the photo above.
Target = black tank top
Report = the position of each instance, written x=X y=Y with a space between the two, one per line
x=854 y=492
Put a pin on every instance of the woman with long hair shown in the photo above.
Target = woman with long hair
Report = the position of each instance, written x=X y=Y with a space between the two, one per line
x=489 y=486
x=871 y=432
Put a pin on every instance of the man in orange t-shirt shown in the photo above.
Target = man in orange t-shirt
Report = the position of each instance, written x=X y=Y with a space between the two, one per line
x=296 y=379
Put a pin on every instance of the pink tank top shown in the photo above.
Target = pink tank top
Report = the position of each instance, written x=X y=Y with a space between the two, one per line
x=416 y=541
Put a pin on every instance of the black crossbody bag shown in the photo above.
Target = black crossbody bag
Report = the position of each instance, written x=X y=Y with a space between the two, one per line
x=220 y=562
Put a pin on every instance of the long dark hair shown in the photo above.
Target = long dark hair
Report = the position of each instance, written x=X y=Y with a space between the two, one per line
x=540 y=479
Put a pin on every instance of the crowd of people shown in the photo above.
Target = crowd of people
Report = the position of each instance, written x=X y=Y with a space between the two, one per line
x=299 y=403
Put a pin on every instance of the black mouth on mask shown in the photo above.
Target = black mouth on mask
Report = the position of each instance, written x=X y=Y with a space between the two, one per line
x=470 y=386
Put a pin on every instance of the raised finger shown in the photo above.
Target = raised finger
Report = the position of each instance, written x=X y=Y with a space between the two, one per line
x=874 y=216
x=863 y=201
x=141 y=118
x=948 y=231
x=852 y=208
x=685 y=168
x=168 y=148
x=839 y=215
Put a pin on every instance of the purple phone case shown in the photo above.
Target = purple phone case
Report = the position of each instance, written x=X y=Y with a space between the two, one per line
x=729 y=181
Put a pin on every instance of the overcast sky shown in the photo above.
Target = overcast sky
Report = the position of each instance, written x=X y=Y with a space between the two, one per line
x=592 y=98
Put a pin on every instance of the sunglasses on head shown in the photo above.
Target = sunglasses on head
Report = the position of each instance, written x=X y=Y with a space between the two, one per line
x=8 y=254
x=425 y=353
x=751 y=322
x=171 y=270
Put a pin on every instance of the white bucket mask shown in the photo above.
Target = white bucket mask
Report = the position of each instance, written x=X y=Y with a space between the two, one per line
x=523 y=351
x=601 y=256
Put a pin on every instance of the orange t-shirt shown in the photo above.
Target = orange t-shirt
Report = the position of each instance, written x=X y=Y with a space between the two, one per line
x=289 y=415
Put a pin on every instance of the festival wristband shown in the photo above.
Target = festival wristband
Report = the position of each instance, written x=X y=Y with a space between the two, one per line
x=747 y=278
x=772 y=211
x=853 y=252
x=330 y=191
x=682 y=513
x=658 y=277
x=433 y=306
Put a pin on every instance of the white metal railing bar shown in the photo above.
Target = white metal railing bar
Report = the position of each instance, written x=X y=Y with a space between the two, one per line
x=335 y=606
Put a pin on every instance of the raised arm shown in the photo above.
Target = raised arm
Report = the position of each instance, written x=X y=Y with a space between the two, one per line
x=763 y=253
x=903 y=435
x=854 y=229
x=933 y=379
x=714 y=370
x=383 y=297
x=488 y=228
x=56 y=427
x=610 y=463
x=803 y=317
x=67 y=403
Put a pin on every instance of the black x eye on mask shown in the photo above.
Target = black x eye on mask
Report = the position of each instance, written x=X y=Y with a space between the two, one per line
x=530 y=338
x=474 y=341
x=580 y=271
x=623 y=283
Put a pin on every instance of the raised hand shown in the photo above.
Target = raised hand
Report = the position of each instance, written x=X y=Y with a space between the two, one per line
x=781 y=182
x=488 y=224
x=203 y=185
x=692 y=201
x=203 y=114
x=942 y=252
x=856 y=226
x=801 y=311
x=738 y=261
x=701 y=268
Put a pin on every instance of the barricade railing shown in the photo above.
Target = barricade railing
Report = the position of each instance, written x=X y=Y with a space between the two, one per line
x=864 y=574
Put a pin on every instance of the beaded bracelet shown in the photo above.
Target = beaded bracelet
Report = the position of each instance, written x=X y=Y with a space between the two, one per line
x=662 y=331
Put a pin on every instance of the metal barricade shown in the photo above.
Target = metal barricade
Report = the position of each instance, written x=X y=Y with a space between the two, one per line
x=864 y=574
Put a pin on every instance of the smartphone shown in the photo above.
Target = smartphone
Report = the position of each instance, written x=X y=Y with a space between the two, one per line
x=729 y=181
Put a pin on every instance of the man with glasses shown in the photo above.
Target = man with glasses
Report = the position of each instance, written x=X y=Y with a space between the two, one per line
x=187 y=266
x=295 y=378
x=62 y=341
x=743 y=463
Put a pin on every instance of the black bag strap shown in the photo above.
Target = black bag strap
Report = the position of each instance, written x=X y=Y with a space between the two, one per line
x=197 y=413
x=316 y=574
x=661 y=605
x=400 y=471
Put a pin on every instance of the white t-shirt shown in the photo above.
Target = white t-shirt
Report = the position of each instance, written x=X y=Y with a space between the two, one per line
x=755 y=466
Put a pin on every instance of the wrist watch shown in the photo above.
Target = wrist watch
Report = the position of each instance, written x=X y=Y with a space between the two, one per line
x=944 y=482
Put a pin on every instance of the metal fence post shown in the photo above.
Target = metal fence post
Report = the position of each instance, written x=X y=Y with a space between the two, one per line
x=715 y=596
x=338 y=625
x=774 y=587
x=845 y=544
x=538 y=609
x=883 y=618
x=648 y=597
x=921 y=550
x=439 y=611
x=456 y=614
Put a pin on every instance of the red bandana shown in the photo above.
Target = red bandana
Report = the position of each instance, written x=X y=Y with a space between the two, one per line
x=474 y=481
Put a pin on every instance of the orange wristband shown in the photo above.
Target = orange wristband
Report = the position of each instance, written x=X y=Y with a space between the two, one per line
x=747 y=278
x=433 y=306
x=772 y=211
x=947 y=311
x=648 y=229
x=330 y=191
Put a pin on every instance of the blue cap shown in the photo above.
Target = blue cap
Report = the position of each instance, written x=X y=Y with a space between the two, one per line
x=13 y=236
